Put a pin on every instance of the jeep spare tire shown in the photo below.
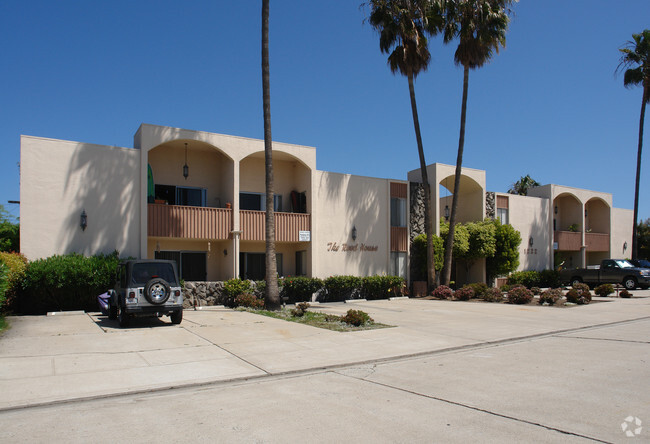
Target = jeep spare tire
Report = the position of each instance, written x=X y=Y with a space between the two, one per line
x=157 y=291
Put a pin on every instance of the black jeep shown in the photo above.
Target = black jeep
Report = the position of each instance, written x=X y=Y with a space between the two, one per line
x=146 y=288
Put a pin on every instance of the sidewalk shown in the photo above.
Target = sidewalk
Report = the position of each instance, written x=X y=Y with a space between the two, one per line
x=45 y=359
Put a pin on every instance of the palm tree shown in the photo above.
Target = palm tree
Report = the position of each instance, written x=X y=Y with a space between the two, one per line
x=401 y=25
x=481 y=27
x=636 y=62
x=522 y=185
x=272 y=299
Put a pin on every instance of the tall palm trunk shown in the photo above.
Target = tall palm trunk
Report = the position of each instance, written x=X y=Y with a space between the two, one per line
x=428 y=226
x=449 y=243
x=272 y=300
x=635 y=243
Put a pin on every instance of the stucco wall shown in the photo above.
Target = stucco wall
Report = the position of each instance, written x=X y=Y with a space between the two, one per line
x=60 y=179
x=342 y=202
x=622 y=221
x=529 y=216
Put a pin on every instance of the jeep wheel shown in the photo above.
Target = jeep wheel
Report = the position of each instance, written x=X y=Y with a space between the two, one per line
x=124 y=318
x=176 y=317
x=629 y=283
x=157 y=291
x=112 y=312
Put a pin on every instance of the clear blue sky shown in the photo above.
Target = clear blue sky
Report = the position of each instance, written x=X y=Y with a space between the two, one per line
x=548 y=105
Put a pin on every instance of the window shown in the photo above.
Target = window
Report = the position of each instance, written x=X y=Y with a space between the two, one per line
x=192 y=265
x=397 y=212
x=502 y=215
x=253 y=265
x=257 y=202
x=301 y=263
x=398 y=264
x=173 y=195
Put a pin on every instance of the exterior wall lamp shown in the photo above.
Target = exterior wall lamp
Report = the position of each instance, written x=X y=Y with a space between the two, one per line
x=83 y=223
x=555 y=209
x=354 y=233
x=446 y=212
x=186 y=169
x=530 y=241
x=624 y=246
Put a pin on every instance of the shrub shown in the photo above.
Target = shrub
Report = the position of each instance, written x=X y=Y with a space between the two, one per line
x=549 y=279
x=604 y=290
x=356 y=318
x=536 y=291
x=300 y=310
x=479 y=289
x=506 y=288
x=233 y=288
x=526 y=278
x=625 y=294
x=248 y=300
x=550 y=296
x=67 y=282
x=579 y=294
x=519 y=295
x=300 y=288
x=15 y=264
x=331 y=318
x=340 y=288
x=259 y=288
x=4 y=275
x=493 y=295
x=465 y=293
x=381 y=287
x=442 y=292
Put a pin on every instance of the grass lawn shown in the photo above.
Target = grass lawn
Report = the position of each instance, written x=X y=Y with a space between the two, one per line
x=316 y=319
x=3 y=324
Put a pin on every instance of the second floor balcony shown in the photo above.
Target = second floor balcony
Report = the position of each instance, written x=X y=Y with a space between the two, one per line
x=187 y=222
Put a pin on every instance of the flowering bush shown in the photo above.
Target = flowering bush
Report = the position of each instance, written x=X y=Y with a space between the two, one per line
x=356 y=318
x=519 y=295
x=604 y=290
x=625 y=294
x=442 y=292
x=579 y=294
x=479 y=289
x=248 y=300
x=465 y=293
x=550 y=296
x=493 y=295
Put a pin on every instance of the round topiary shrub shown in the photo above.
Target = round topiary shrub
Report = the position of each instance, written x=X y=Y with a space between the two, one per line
x=442 y=292
x=536 y=291
x=479 y=289
x=550 y=296
x=625 y=294
x=604 y=290
x=493 y=295
x=519 y=295
x=579 y=295
x=465 y=293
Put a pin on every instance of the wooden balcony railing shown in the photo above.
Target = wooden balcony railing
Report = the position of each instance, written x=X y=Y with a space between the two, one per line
x=287 y=225
x=189 y=222
x=597 y=241
x=398 y=239
x=568 y=240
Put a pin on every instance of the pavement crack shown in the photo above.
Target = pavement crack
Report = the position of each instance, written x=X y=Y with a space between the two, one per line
x=603 y=339
x=231 y=353
x=477 y=409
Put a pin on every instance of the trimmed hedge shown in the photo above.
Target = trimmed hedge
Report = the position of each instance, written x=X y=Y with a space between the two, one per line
x=4 y=277
x=15 y=264
x=381 y=287
x=340 y=288
x=300 y=288
x=532 y=278
x=68 y=282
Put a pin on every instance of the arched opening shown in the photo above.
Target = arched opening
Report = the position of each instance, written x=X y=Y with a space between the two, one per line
x=567 y=230
x=470 y=199
x=189 y=217
x=292 y=205
x=597 y=230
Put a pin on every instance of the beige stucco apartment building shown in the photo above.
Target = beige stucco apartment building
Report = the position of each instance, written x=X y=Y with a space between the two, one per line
x=198 y=198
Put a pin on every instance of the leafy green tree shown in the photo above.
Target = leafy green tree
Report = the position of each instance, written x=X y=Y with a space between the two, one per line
x=401 y=25
x=636 y=63
x=522 y=185
x=419 y=256
x=9 y=232
x=480 y=26
x=272 y=300
x=506 y=255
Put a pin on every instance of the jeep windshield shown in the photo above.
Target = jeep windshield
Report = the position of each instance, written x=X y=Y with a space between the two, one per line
x=144 y=272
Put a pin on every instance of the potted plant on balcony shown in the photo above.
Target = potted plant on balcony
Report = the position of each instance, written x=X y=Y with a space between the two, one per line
x=574 y=228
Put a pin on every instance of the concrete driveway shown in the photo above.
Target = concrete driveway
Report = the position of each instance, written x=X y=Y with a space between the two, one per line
x=70 y=356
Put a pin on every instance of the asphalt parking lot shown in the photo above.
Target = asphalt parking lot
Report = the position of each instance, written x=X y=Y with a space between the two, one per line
x=550 y=374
